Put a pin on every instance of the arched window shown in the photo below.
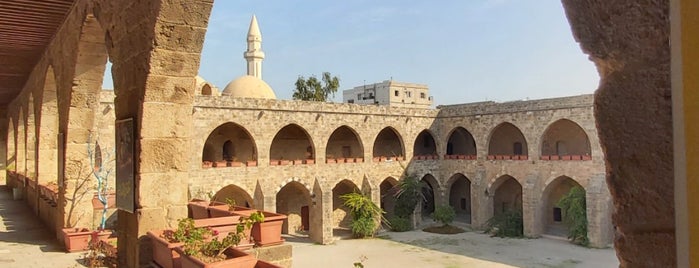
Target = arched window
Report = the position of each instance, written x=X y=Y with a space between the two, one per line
x=228 y=150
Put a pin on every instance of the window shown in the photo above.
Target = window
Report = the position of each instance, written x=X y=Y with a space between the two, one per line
x=350 y=101
x=557 y=215
x=395 y=93
x=359 y=96
x=228 y=151
x=422 y=95
x=426 y=141
x=517 y=148
x=408 y=93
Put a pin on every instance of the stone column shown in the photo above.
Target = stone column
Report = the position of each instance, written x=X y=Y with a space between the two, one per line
x=153 y=70
x=321 y=211
x=530 y=205
x=265 y=199
x=598 y=201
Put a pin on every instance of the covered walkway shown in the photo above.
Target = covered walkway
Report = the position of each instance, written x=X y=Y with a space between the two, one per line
x=25 y=241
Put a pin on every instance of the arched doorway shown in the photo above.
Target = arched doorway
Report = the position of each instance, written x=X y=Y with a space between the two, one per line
x=344 y=145
x=388 y=144
x=294 y=201
x=428 y=192
x=460 y=197
x=48 y=131
x=229 y=143
x=341 y=213
x=552 y=216
x=508 y=195
x=424 y=145
x=233 y=192
x=292 y=142
x=507 y=142
x=388 y=195
x=461 y=142
x=565 y=138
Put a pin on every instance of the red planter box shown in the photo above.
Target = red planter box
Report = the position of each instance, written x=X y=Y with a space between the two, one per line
x=207 y=164
x=566 y=157
x=198 y=209
x=273 y=162
x=586 y=157
x=164 y=253
x=235 y=258
x=269 y=232
x=576 y=157
x=78 y=239
x=251 y=163
x=545 y=157
x=555 y=157
x=359 y=160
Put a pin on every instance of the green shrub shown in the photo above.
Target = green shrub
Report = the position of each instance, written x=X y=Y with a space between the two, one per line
x=365 y=214
x=506 y=224
x=408 y=195
x=399 y=224
x=444 y=214
x=574 y=212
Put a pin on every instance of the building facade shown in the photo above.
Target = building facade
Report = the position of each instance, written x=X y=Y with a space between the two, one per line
x=391 y=93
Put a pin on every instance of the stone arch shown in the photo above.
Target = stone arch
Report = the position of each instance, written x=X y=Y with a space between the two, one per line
x=388 y=189
x=341 y=213
x=229 y=142
x=425 y=144
x=460 y=196
x=31 y=139
x=206 y=90
x=48 y=130
x=292 y=142
x=11 y=162
x=507 y=194
x=552 y=216
x=294 y=200
x=344 y=143
x=461 y=142
x=388 y=143
x=232 y=191
x=507 y=139
x=429 y=192
x=565 y=137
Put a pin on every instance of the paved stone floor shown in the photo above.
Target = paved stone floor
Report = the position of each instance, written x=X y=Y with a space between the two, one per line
x=25 y=241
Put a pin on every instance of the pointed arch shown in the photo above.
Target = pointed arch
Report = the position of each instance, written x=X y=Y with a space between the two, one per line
x=242 y=198
x=507 y=140
x=430 y=194
x=229 y=142
x=507 y=194
x=552 y=215
x=388 y=143
x=461 y=142
x=344 y=143
x=388 y=189
x=565 y=138
x=460 y=196
x=292 y=142
x=425 y=144
x=48 y=130
x=341 y=213
x=294 y=200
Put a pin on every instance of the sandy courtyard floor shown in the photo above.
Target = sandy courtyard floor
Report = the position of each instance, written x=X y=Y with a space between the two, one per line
x=470 y=249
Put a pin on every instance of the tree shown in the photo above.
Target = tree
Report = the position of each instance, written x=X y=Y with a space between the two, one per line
x=311 y=89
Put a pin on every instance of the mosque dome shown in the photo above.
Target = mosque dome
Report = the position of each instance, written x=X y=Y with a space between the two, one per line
x=249 y=86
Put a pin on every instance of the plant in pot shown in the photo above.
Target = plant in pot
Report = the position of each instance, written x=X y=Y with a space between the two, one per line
x=165 y=241
x=205 y=252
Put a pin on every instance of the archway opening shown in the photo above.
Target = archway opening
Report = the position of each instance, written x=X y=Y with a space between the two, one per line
x=565 y=139
x=507 y=142
x=388 y=144
x=206 y=90
x=424 y=145
x=230 y=145
x=460 y=197
x=294 y=201
x=428 y=193
x=341 y=213
x=388 y=196
x=344 y=146
x=508 y=195
x=292 y=142
x=553 y=215
x=235 y=193
x=48 y=131
x=461 y=145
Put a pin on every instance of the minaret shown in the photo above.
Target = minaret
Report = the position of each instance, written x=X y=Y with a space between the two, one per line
x=254 y=54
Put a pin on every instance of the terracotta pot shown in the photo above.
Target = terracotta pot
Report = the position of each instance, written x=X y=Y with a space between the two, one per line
x=164 y=253
x=340 y=160
x=359 y=160
x=555 y=157
x=207 y=164
x=111 y=201
x=269 y=232
x=283 y=162
x=523 y=157
x=235 y=258
x=78 y=239
x=377 y=159
x=586 y=157
x=491 y=157
x=264 y=264
x=297 y=162
x=565 y=157
x=251 y=163
x=545 y=157
x=498 y=157
x=330 y=161
x=576 y=157
x=235 y=164
x=310 y=161
x=198 y=209
x=349 y=160
x=472 y=157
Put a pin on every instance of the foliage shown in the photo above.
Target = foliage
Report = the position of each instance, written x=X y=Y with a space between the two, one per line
x=575 y=215
x=506 y=224
x=408 y=195
x=399 y=224
x=194 y=238
x=365 y=214
x=311 y=89
x=360 y=263
x=231 y=203
x=186 y=231
x=444 y=214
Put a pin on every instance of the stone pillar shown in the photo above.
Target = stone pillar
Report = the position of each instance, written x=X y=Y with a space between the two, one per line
x=530 y=205
x=685 y=82
x=598 y=201
x=153 y=70
x=633 y=109
x=481 y=201
x=321 y=211
x=265 y=199
x=3 y=145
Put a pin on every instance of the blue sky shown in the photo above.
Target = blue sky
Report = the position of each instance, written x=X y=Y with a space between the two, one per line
x=466 y=51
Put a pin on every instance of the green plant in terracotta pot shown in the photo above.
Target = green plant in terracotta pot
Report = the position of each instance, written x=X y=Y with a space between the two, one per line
x=165 y=241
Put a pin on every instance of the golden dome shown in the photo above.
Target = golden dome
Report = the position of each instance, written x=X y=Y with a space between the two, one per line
x=249 y=87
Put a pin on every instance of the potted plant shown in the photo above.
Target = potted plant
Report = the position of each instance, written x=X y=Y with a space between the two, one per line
x=205 y=252
x=199 y=209
x=267 y=228
x=165 y=241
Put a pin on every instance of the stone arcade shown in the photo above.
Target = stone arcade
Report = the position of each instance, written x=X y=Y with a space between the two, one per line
x=297 y=157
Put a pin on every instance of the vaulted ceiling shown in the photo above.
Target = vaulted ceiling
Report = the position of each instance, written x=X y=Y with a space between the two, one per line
x=26 y=28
